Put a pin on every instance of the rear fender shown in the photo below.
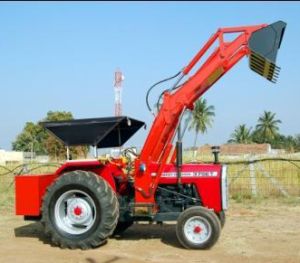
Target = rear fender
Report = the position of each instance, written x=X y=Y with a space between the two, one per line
x=107 y=172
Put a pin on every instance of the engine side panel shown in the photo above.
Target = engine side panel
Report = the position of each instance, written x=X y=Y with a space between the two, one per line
x=206 y=178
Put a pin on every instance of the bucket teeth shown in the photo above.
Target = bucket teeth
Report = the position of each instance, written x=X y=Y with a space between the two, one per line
x=264 y=67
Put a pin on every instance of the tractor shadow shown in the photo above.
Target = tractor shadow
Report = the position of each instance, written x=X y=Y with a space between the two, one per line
x=33 y=230
x=165 y=232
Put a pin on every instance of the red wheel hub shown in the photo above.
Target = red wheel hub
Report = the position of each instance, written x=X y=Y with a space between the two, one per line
x=77 y=211
x=197 y=229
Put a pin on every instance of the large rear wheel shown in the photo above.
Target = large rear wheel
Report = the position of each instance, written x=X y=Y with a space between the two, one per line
x=80 y=210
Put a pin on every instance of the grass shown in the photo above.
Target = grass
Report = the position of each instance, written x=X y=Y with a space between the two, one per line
x=6 y=193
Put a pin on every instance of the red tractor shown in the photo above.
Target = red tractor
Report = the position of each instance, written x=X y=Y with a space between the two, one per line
x=86 y=201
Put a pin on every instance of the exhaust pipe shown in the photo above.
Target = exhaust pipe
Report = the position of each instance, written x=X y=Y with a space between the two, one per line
x=264 y=44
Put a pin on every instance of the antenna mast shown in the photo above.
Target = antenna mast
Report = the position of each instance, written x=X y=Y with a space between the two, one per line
x=119 y=78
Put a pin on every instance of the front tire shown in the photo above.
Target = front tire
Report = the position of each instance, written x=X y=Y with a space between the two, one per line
x=80 y=210
x=198 y=228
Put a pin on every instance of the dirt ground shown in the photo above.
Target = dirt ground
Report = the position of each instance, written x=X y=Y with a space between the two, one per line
x=265 y=232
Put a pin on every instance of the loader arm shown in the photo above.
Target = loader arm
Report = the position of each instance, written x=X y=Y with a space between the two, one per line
x=259 y=42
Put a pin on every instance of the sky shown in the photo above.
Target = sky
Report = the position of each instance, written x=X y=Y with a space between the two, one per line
x=62 y=56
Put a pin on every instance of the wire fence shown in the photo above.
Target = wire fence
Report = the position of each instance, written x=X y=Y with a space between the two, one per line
x=264 y=175
x=248 y=178
x=7 y=182
x=264 y=178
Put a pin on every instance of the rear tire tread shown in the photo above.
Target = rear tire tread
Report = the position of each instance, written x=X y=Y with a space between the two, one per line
x=105 y=195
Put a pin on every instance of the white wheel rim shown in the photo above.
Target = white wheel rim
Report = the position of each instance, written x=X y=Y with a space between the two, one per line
x=197 y=230
x=75 y=212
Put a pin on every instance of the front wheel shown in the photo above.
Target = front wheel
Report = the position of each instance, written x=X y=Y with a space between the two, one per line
x=198 y=228
x=80 y=210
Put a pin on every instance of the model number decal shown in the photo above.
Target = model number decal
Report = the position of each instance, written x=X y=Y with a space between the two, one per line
x=191 y=174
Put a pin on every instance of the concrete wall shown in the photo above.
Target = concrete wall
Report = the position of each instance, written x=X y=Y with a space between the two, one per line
x=10 y=156
x=239 y=149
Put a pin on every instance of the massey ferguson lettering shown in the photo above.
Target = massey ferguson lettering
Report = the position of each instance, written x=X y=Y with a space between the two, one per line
x=191 y=174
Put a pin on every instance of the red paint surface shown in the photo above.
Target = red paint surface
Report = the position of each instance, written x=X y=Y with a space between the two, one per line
x=30 y=190
x=105 y=171
x=209 y=188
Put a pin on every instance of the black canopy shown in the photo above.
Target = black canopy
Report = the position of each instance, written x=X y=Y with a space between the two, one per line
x=99 y=132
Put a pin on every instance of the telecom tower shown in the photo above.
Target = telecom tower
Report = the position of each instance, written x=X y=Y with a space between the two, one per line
x=119 y=77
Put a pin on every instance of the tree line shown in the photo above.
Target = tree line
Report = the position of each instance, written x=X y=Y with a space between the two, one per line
x=266 y=130
x=34 y=138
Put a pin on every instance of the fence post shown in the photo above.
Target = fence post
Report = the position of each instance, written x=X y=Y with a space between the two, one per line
x=273 y=180
x=252 y=178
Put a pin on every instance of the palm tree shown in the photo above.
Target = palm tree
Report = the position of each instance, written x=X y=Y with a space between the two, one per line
x=241 y=134
x=267 y=126
x=202 y=118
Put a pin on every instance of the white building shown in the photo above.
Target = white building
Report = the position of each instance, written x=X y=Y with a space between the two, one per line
x=10 y=157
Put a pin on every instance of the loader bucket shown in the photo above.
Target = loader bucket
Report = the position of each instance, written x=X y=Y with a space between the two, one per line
x=264 y=44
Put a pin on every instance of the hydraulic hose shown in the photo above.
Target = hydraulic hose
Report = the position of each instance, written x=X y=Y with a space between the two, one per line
x=154 y=85
x=161 y=94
